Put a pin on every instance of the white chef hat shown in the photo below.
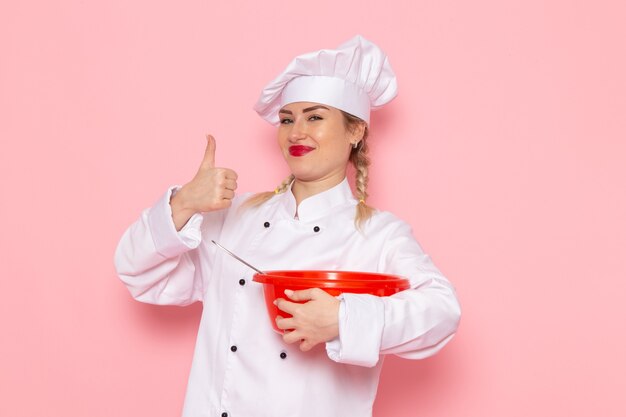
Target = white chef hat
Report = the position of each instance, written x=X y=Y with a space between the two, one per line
x=356 y=78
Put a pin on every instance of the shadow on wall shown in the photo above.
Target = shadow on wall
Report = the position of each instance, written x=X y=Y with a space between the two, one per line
x=381 y=122
x=166 y=321
x=429 y=384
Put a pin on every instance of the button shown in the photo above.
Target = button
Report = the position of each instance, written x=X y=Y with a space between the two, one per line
x=266 y=224
x=316 y=229
x=224 y=414
x=283 y=355
x=242 y=282
x=233 y=348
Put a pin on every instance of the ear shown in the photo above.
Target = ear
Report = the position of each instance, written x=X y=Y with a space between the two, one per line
x=357 y=133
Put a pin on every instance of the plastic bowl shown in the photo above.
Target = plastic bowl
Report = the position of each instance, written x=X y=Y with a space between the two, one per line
x=333 y=282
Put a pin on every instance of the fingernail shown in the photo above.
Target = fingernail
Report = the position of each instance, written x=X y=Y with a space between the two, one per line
x=275 y=302
x=288 y=293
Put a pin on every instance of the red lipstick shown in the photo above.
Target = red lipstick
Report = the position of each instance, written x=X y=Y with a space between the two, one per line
x=299 y=150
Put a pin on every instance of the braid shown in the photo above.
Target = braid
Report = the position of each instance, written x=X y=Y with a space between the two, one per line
x=260 y=198
x=361 y=163
x=283 y=186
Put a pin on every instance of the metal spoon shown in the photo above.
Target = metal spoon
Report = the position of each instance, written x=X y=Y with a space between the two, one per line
x=238 y=258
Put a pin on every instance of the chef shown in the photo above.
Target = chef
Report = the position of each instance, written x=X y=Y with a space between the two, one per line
x=329 y=358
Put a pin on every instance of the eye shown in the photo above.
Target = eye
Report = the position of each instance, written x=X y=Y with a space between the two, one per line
x=316 y=117
x=282 y=121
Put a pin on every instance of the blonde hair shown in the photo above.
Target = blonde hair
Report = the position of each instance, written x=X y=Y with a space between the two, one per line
x=359 y=159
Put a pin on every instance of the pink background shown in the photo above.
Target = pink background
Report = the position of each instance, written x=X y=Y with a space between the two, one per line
x=505 y=150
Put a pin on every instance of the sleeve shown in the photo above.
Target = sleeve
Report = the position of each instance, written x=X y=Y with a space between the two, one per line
x=157 y=263
x=413 y=324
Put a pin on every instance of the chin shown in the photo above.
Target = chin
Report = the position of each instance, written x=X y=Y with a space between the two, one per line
x=303 y=174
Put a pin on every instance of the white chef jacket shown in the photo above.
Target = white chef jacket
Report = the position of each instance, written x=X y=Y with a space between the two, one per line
x=241 y=367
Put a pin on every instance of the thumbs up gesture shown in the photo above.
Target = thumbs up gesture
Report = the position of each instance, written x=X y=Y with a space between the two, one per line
x=211 y=189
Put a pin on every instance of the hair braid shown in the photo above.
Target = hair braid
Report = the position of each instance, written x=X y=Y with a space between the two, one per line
x=283 y=186
x=260 y=198
x=361 y=162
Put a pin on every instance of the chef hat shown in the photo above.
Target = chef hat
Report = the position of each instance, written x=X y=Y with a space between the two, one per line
x=356 y=78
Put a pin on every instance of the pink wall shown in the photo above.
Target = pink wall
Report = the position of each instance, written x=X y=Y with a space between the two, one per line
x=505 y=149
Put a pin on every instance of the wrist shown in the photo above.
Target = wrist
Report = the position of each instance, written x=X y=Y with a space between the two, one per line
x=179 y=204
x=332 y=331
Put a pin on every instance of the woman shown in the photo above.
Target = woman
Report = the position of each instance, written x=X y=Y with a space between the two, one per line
x=328 y=361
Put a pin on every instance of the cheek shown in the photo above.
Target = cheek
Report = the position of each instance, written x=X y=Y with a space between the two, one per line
x=332 y=136
x=281 y=140
x=336 y=153
x=336 y=143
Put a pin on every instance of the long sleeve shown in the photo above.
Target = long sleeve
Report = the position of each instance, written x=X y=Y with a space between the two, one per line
x=159 y=264
x=414 y=324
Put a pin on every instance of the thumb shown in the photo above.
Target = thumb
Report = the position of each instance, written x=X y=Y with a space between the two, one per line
x=208 y=161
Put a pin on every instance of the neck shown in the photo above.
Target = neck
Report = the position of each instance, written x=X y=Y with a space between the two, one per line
x=303 y=189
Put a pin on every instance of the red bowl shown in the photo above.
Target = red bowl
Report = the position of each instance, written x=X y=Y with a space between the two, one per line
x=333 y=282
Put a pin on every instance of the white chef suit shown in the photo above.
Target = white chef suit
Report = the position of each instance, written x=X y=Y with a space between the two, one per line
x=241 y=367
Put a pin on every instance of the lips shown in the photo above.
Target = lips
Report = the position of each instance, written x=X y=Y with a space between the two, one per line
x=299 y=150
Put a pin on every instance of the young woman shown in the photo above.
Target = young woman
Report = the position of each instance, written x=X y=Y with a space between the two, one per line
x=328 y=361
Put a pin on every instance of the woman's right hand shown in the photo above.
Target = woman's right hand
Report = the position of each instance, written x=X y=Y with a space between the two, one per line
x=211 y=189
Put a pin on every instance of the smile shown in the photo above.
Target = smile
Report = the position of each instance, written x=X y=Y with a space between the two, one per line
x=299 y=150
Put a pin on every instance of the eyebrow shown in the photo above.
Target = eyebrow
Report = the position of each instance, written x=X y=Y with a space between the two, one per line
x=306 y=110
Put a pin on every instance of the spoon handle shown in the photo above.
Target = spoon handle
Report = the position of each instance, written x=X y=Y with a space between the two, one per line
x=237 y=257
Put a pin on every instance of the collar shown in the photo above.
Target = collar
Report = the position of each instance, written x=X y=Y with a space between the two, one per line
x=320 y=204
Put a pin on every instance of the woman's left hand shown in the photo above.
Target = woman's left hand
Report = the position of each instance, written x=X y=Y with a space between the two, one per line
x=316 y=321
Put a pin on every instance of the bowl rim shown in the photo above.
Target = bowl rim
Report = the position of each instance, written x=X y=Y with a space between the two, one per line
x=385 y=280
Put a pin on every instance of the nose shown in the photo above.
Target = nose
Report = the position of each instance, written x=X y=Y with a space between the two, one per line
x=297 y=131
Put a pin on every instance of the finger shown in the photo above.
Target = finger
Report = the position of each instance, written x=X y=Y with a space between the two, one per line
x=230 y=174
x=303 y=295
x=284 y=323
x=286 y=306
x=230 y=184
x=208 y=161
x=228 y=194
x=306 y=345
x=292 y=337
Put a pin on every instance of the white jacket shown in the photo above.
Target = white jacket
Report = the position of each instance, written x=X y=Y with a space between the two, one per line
x=241 y=367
